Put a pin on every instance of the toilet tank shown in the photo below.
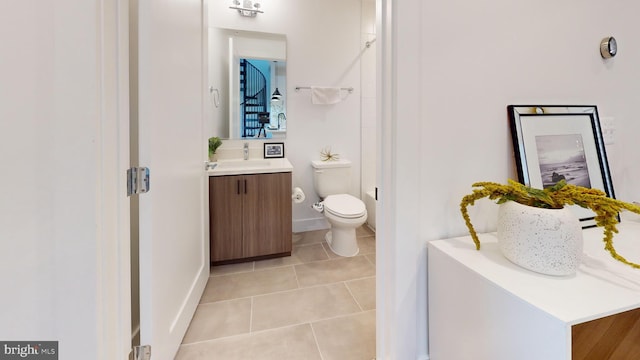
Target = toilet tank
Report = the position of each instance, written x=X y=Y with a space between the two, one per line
x=331 y=177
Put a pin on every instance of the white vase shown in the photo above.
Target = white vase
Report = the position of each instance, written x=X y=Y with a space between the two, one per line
x=547 y=241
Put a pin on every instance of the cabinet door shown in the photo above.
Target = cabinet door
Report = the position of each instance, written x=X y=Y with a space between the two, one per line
x=267 y=214
x=225 y=216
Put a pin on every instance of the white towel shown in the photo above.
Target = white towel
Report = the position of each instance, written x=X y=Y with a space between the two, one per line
x=325 y=95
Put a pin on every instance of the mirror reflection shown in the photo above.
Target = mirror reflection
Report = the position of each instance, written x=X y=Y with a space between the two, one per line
x=256 y=70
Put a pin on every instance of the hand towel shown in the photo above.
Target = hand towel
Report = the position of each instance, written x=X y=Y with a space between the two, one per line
x=325 y=95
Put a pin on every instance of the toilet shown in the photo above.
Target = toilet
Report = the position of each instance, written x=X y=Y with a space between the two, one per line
x=331 y=180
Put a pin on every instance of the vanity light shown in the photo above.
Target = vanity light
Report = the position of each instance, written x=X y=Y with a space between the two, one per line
x=246 y=7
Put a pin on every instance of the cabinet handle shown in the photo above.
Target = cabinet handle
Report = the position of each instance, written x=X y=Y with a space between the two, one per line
x=245 y=186
x=238 y=182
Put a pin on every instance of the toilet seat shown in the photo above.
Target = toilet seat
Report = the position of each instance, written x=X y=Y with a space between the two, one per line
x=345 y=206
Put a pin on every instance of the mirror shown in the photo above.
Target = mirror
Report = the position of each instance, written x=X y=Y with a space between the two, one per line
x=254 y=65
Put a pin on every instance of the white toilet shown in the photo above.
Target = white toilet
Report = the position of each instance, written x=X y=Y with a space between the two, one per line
x=331 y=180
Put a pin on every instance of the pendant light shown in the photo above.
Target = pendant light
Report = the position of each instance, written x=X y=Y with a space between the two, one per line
x=276 y=94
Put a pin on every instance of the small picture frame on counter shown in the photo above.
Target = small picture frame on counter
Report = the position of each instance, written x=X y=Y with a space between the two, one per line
x=273 y=150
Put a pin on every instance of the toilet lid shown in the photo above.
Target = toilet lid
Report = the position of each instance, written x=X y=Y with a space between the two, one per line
x=344 y=205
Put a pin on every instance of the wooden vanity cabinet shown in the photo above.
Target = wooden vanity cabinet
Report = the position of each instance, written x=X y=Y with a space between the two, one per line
x=250 y=216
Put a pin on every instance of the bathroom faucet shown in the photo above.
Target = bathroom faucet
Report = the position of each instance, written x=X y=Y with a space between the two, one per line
x=246 y=151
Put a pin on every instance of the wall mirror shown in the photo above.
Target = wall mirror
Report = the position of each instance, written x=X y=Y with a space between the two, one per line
x=254 y=64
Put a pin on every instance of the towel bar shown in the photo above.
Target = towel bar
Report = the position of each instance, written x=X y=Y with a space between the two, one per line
x=298 y=88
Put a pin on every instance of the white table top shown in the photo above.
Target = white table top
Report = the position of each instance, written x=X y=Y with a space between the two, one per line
x=602 y=286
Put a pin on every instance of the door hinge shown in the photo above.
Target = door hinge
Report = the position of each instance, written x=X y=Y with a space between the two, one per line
x=137 y=180
x=142 y=352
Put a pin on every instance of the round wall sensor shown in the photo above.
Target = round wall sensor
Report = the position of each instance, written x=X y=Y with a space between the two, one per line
x=608 y=47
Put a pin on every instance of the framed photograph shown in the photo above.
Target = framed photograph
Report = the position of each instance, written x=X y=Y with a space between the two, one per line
x=273 y=150
x=558 y=142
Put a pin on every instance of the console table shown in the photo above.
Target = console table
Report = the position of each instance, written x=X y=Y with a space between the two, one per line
x=483 y=307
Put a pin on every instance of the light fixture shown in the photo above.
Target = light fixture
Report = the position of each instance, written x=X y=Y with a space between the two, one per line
x=276 y=94
x=246 y=8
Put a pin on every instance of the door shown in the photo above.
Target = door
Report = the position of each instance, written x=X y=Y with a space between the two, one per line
x=267 y=214
x=225 y=214
x=173 y=260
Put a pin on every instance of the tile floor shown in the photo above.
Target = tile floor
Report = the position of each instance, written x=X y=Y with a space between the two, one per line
x=311 y=305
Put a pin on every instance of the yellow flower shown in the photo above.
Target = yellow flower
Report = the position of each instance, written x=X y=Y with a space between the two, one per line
x=555 y=197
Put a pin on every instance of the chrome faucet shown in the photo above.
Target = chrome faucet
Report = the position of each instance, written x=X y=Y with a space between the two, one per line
x=281 y=117
x=246 y=151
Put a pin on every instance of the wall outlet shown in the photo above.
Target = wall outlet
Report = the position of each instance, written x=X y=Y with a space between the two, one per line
x=608 y=130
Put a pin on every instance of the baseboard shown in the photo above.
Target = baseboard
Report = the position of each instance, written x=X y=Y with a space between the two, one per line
x=372 y=229
x=311 y=224
x=423 y=357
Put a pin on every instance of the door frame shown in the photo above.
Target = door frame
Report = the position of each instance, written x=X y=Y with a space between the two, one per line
x=401 y=304
x=113 y=319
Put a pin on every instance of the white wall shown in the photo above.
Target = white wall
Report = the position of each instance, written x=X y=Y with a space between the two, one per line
x=324 y=48
x=368 y=96
x=551 y=55
x=217 y=100
x=475 y=59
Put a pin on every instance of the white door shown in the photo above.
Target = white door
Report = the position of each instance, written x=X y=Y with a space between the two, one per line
x=171 y=74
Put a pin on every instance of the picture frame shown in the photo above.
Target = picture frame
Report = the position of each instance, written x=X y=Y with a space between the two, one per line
x=273 y=150
x=555 y=142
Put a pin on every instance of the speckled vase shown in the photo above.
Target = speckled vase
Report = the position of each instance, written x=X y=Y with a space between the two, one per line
x=547 y=241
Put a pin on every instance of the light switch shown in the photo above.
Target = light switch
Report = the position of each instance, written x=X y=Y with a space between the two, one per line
x=608 y=129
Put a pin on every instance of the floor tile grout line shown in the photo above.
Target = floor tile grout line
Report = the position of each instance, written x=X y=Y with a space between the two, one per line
x=279 y=292
x=325 y=251
x=299 y=287
x=315 y=338
x=329 y=258
x=252 y=332
x=295 y=274
x=251 y=317
x=314 y=320
x=290 y=290
x=282 y=291
x=371 y=262
x=344 y=315
x=353 y=296
x=341 y=316
x=242 y=334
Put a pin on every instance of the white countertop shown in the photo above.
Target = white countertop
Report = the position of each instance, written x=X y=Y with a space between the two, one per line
x=250 y=166
x=602 y=286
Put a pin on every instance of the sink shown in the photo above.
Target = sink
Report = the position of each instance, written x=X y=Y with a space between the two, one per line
x=243 y=163
x=251 y=166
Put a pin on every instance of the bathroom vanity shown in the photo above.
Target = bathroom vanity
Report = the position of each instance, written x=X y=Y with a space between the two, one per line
x=250 y=210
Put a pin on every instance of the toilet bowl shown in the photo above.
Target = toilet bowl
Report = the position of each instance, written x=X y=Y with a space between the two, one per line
x=345 y=213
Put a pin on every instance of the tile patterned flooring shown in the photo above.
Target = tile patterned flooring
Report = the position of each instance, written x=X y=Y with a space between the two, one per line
x=311 y=305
